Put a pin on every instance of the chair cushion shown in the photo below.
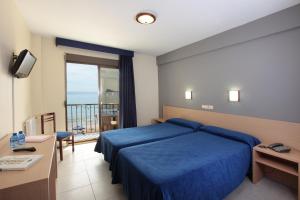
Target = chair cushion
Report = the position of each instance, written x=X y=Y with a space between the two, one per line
x=78 y=128
x=62 y=135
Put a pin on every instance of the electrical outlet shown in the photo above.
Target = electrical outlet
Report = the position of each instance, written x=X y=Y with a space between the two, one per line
x=205 y=107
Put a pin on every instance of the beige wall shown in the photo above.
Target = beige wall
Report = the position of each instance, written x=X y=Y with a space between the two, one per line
x=48 y=76
x=44 y=90
x=35 y=75
x=15 y=36
x=146 y=87
x=48 y=80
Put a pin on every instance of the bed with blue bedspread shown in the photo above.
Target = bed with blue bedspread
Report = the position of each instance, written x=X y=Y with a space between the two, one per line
x=110 y=142
x=204 y=165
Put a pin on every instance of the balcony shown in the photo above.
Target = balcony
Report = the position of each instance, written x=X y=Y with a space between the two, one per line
x=84 y=118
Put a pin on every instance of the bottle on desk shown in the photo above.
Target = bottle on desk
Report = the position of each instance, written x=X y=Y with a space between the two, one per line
x=17 y=140
x=14 y=141
x=21 y=138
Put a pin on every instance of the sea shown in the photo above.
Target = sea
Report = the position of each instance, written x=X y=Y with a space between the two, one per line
x=82 y=97
x=84 y=116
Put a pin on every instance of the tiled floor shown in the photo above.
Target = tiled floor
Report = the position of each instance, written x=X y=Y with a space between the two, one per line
x=84 y=175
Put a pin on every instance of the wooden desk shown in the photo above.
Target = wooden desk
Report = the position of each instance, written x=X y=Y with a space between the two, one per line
x=283 y=167
x=34 y=183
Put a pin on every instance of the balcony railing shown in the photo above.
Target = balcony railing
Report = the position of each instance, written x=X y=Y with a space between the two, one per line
x=85 y=117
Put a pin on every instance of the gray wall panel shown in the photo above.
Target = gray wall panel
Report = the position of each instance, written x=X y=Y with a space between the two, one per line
x=266 y=70
x=275 y=23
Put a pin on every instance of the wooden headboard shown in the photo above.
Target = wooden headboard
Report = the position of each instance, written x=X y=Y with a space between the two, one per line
x=268 y=131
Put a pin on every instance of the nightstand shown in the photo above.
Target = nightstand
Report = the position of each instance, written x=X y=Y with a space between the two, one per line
x=282 y=167
x=158 y=120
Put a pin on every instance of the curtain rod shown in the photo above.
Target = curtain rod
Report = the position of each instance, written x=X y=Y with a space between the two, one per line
x=94 y=47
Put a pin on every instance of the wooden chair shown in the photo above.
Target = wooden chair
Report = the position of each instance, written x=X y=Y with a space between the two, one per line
x=60 y=135
x=106 y=122
x=115 y=122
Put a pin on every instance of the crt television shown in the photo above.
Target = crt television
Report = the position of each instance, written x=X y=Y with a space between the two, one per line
x=23 y=64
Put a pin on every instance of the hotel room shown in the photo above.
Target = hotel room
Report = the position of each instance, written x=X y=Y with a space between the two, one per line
x=150 y=100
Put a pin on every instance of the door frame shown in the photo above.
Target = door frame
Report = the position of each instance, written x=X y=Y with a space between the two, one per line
x=99 y=62
x=65 y=101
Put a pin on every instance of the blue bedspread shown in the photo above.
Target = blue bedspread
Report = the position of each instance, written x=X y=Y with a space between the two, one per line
x=110 y=142
x=196 y=166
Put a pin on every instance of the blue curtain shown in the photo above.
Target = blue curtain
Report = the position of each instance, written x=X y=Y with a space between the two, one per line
x=127 y=93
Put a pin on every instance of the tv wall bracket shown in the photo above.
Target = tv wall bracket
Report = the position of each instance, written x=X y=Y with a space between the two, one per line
x=14 y=57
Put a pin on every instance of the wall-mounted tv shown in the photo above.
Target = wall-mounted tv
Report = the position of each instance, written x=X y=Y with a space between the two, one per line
x=23 y=64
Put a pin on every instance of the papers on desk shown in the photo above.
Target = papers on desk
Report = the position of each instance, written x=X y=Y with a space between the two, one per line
x=37 y=138
x=20 y=162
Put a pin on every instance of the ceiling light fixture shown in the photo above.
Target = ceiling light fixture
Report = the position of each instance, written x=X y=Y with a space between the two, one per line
x=145 y=18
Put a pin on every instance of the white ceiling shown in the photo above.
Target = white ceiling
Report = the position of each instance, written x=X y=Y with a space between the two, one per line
x=112 y=22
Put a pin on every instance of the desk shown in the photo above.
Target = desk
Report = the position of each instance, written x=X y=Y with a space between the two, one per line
x=34 y=183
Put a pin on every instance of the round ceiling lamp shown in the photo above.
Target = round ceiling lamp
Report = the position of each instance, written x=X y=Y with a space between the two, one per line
x=145 y=18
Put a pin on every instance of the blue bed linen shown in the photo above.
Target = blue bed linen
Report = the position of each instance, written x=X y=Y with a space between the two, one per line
x=186 y=123
x=196 y=166
x=110 y=142
x=231 y=134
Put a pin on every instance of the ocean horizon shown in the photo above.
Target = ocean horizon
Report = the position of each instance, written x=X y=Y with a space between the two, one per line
x=88 y=118
x=77 y=97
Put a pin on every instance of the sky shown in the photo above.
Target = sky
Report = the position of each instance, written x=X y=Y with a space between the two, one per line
x=82 y=78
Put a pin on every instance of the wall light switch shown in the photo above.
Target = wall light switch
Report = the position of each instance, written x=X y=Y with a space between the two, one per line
x=204 y=107
x=207 y=107
x=210 y=107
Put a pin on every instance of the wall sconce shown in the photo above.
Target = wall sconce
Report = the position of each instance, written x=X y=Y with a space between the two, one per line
x=188 y=94
x=234 y=95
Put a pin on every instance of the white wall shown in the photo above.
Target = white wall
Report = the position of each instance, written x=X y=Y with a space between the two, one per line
x=35 y=75
x=15 y=36
x=48 y=80
x=44 y=90
x=48 y=77
x=146 y=87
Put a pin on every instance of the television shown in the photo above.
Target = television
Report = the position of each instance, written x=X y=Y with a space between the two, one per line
x=23 y=64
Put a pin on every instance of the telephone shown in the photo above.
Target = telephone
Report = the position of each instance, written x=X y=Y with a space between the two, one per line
x=275 y=145
x=278 y=147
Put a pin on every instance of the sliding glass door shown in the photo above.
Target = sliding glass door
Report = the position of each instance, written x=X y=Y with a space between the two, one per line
x=109 y=98
x=92 y=98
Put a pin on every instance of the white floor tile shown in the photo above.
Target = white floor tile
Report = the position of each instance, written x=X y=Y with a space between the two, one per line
x=70 y=169
x=263 y=190
x=104 y=191
x=98 y=175
x=67 y=183
x=83 y=193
